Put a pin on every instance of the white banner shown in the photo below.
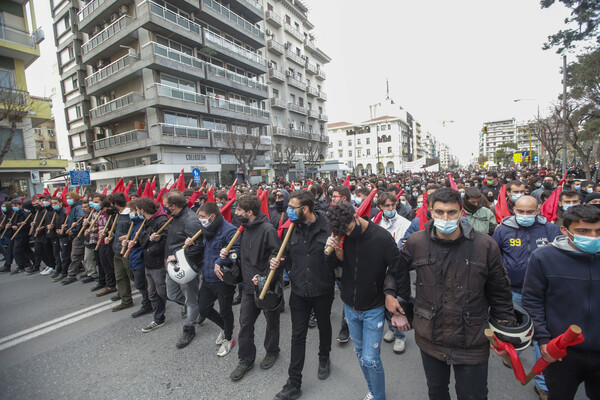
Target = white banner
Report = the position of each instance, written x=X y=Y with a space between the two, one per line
x=413 y=165
x=431 y=168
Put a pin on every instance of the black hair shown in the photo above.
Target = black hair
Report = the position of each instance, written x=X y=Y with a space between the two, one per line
x=363 y=191
x=118 y=199
x=445 y=195
x=147 y=205
x=581 y=212
x=343 y=191
x=472 y=193
x=249 y=202
x=176 y=199
x=99 y=195
x=512 y=183
x=189 y=192
x=209 y=208
x=305 y=198
x=381 y=198
x=339 y=216
x=316 y=190
x=221 y=195
x=493 y=174
x=568 y=193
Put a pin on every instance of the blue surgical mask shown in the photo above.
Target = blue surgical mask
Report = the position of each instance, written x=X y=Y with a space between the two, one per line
x=3 y=209
x=415 y=195
x=26 y=211
x=586 y=244
x=132 y=215
x=15 y=209
x=565 y=207
x=577 y=187
x=389 y=214
x=462 y=195
x=96 y=206
x=515 y=197
x=70 y=202
x=538 y=185
x=140 y=215
x=404 y=203
x=292 y=214
x=445 y=227
x=358 y=202
x=525 y=220
x=56 y=208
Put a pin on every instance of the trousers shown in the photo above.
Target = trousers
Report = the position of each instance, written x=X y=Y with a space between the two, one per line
x=248 y=315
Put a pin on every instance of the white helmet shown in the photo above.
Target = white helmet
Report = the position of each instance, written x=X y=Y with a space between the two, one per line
x=520 y=334
x=181 y=272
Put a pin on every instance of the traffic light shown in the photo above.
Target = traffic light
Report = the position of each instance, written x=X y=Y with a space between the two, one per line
x=485 y=131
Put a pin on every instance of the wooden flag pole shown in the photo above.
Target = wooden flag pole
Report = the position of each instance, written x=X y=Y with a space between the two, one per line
x=20 y=227
x=135 y=239
x=279 y=255
x=127 y=238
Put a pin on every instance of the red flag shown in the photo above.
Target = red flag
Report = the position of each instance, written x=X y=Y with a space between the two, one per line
x=77 y=190
x=46 y=192
x=231 y=193
x=400 y=193
x=181 y=182
x=120 y=187
x=452 y=183
x=147 y=194
x=259 y=191
x=153 y=183
x=549 y=209
x=347 y=182
x=283 y=227
x=365 y=208
x=193 y=198
x=421 y=213
x=105 y=190
x=226 y=210
x=140 y=190
x=210 y=195
x=309 y=183
x=377 y=217
x=126 y=190
x=264 y=207
x=203 y=184
x=55 y=192
x=501 y=209
x=63 y=195
x=557 y=347
x=159 y=196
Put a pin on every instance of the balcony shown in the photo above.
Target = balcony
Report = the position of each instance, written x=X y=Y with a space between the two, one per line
x=179 y=135
x=113 y=74
x=321 y=75
x=117 y=108
x=26 y=42
x=252 y=9
x=98 y=12
x=309 y=44
x=233 y=110
x=313 y=114
x=172 y=97
x=120 y=143
x=276 y=75
x=225 y=19
x=275 y=47
x=165 y=59
x=273 y=18
x=293 y=31
x=294 y=57
x=323 y=117
x=278 y=103
x=19 y=98
x=311 y=69
x=298 y=84
x=239 y=83
x=227 y=139
x=232 y=52
x=297 y=109
x=299 y=134
x=163 y=21
x=322 y=96
x=278 y=131
x=17 y=36
x=107 y=41
x=312 y=91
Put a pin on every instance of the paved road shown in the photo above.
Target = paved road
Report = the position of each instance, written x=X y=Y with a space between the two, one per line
x=61 y=342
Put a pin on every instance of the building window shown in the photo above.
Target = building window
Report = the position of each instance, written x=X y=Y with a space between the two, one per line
x=368 y=140
x=349 y=142
x=349 y=153
x=331 y=154
x=275 y=93
x=340 y=153
x=358 y=153
x=339 y=143
x=50 y=132
x=7 y=78
x=39 y=145
x=37 y=131
x=52 y=145
x=330 y=145
x=368 y=152
x=357 y=141
x=389 y=150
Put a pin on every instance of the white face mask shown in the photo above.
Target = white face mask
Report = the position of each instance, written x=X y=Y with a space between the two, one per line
x=205 y=222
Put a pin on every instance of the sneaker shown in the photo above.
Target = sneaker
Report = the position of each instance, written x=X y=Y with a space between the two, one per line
x=55 y=274
x=324 y=369
x=369 y=396
x=59 y=278
x=141 y=311
x=47 y=271
x=220 y=338
x=344 y=335
x=542 y=393
x=241 y=370
x=152 y=326
x=226 y=347
x=289 y=392
x=312 y=321
x=30 y=271
x=268 y=361
x=186 y=338
x=184 y=311
x=388 y=337
x=399 y=345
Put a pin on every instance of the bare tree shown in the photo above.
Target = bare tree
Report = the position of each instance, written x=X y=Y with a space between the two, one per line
x=312 y=150
x=284 y=155
x=549 y=132
x=14 y=107
x=245 y=149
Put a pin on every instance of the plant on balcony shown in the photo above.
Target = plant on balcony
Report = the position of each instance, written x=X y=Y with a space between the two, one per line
x=206 y=53
x=15 y=105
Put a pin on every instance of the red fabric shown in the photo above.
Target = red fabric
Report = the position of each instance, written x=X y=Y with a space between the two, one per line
x=514 y=359
x=264 y=206
x=452 y=182
x=377 y=217
x=159 y=196
x=347 y=182
x=148 y=194
x=259 y=191
x=549 y=209
x=400 y=193
x=46 y=192
x=120 y=187
x=77 y=189
x=231 y=193
x=193 y=198
x=226 y=210
x=501 y=210
x=105 y=191
x=55 y=192
x=126 y=190
x=210 y=195
x=181 y=182
x=140 y=189
x=63 y=195
x=173 y=186
x=153 y=185
x=283 y=227
x=421 y=213
x=398 y=185
x=365 y=208
x=557 y=348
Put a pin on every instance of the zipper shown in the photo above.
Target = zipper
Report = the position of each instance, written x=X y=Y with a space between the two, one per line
x=355 y=275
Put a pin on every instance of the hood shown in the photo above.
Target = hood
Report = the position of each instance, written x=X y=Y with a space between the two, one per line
x=512 y=222
x=260 y=218
x=27 y=205
x=286 y=198
x=158 y=213
x=562 y=243
x=125 y=211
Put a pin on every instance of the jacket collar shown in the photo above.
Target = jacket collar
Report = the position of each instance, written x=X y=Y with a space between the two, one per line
x=466 y=230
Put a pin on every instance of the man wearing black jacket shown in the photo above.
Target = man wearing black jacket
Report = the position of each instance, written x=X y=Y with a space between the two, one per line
x=312 y=281
x=258 y=244
x=185 y=224
x=123 y=274
x=362 y=291
x=22 y=250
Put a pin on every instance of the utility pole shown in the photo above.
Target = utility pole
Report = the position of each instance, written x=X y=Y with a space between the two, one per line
x=564 y=104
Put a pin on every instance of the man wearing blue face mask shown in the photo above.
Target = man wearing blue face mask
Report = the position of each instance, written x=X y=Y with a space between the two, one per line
x=562 y=287
x=566 y=200
x=518 y=236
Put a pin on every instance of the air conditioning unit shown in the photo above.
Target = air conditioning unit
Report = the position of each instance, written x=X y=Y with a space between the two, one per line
x=38 y=36
x=292 y=125
x=304 y=57
x=82 y=166
x=100 y=63
x=270 y=64
x=268 y=32
x=114 y=17
x=287 y=45
x=123 y=10
x=288 y=73
x=146 y=161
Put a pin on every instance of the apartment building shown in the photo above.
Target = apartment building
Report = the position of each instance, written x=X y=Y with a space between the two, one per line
x=152 y=87
x=296 y=90
x=496 y=135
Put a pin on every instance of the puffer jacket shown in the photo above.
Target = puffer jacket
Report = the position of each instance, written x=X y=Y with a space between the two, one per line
x=518 y=242
x=154 y=252
x=457 y=283
x=482 y=220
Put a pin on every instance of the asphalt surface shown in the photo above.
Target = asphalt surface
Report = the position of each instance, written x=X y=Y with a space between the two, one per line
x=85 y=351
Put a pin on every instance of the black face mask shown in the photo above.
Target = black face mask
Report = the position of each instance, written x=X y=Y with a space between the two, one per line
x=490 y=198
x=279 y=205
x=356 y=231
x=548 y=185
x=352 y=187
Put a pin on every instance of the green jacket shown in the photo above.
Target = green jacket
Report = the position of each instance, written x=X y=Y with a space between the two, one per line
x=483 y=220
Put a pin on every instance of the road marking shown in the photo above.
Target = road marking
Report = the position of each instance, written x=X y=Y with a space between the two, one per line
x=46 y=327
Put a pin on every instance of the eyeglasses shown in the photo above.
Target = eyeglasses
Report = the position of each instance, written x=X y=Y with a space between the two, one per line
x=294 y=208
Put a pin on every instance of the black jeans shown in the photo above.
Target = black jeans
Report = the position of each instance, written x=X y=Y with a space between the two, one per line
x=301 y=308
x=471 y=380
x=55 y=245
x=157 y=292
x=22 y=252
x=248 y=315
x=106 y=266
x=65 y=254
x=141 y=284
x=9 y=250
x=222 y=292
x=564 y=377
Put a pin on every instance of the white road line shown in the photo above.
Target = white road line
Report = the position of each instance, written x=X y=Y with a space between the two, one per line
x=46 y=327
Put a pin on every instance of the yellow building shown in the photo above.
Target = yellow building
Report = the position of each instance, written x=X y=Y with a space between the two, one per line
x=21 y=171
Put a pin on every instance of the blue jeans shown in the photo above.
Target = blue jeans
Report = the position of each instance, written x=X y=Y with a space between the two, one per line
x=539 y=380
x=397 y=334
x=366 y=331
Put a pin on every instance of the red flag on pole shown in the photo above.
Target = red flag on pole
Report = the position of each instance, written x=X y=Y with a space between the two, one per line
x=282 y=227
x=259 y=191
x=46 y=192
x=193 y=198
x=365 y=208
x=105 y=191
x=400 y=193
x=421 y=213
x=140 y=189
x=501 y=209
x=452 y=182
x=126 y=190
x=231 y=193
x=147 y=194
x=63 y=195
x=77 y=189
x=181 y=182
x=55 y=192
x=226 y=210
x=120 y=187
x=377 y=217
x=347 y=181
x=264 y=206
x=159 y=196
x=549 y=209
x=210 y=195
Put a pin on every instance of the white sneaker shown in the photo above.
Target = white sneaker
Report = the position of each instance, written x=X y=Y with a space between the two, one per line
x=47 y=271
x=220 y=338
x=388 y=337
x=369 y=396
x=399 y=346
x=226 y=347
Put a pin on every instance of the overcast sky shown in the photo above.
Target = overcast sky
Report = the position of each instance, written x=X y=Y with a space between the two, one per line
x=463 y=60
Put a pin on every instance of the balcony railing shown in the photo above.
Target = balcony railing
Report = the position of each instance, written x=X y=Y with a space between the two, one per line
x=17 y=36
x=279 y=131
x=237 y=78
x=323 y=117
x=169 y=15
x=321 y=75
x=312 y=91
x=273 y=17
x=13 y=96
x=109 y=70
x=184 y=131
x=275 y=46
x=309 y=44
x=276 y=75
x=89 y=8
x=115 y=104
x=294 y=57
x=234 y=18
x=322 y=96
x=297 y=83
x=229 y=45
x=294 y=32
x=311 y=68
x=179 y=94
x=175 y=55
x=120 y=139
x=297 y=109
x=254 y=4
x=237 y=107
x=299 y=134
x=278 y=103
x=313 y=114
x=106 y=33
